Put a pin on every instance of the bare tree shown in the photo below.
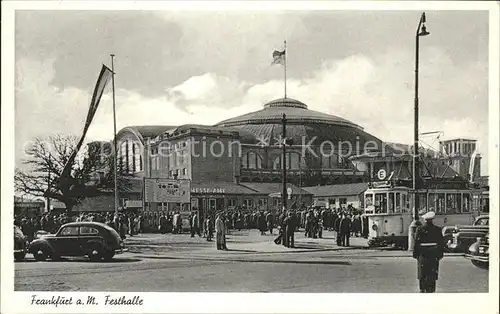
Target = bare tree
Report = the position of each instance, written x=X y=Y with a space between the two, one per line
x=50 y=156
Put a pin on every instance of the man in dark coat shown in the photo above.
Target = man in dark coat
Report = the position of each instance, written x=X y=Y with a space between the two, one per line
x=337 y=229
x=290 y=225
x=269 y=222
x=345 y=230
x=428 y=250
x=261 y=222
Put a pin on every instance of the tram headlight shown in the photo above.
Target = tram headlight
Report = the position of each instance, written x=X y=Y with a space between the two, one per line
x=374 y=227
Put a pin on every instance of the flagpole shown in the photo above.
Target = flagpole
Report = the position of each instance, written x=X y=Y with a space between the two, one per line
x=285 y=66
x=114 y=130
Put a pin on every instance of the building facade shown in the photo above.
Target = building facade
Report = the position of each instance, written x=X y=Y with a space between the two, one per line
x=237 y=163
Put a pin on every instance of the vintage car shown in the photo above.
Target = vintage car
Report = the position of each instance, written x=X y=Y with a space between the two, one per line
x=20 y=244
x=96 y=240
x=463 y=236
x=479 y=252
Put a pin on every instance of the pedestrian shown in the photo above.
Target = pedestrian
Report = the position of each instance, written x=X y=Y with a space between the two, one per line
x=290 y=225
x=220 y=232
x=345 y=230
x=209 y=228
x=162 y=224
x=195 y=225
x=261 y=222
x=269 y=221
x=428 y=250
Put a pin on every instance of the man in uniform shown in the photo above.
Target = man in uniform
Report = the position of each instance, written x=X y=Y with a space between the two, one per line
x=428 y=250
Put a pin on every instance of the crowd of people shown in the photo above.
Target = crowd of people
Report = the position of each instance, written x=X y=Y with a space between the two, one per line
x=345 y=223
x=123 y=223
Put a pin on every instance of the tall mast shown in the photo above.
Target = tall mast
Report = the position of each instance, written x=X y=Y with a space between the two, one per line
x=114 y=133
x=285 y=65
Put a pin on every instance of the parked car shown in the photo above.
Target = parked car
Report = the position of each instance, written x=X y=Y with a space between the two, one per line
x=96 y=240
x=479 y=253
x=463 y=236
x=20 y=244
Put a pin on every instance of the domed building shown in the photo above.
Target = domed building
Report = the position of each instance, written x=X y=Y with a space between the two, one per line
x=318 y=144
x=238 y=162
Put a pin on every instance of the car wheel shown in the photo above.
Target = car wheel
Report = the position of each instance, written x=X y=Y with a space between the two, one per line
x=19 y=256
x=40 y=254
x=479 y=264
x=95 y=252
x=108 y=256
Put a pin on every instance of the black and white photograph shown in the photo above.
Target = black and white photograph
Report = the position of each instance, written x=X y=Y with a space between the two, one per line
x=223 y=150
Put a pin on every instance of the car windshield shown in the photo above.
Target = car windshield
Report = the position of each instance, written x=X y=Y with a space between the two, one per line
x=483 y=222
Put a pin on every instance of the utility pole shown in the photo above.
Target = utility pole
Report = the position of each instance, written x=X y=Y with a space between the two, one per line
x=48 y=183
x=284 y=181
x=114 y=133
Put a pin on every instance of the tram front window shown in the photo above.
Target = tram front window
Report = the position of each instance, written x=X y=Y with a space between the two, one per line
x=451 y=204
x=398 y=203
x=440 y=203
x=369 y=203
x=380 y=203
x=406 y=203
x=392 y=204
x=466 y=203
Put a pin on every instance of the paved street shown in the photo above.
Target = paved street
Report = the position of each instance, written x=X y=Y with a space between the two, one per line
x=178 y=263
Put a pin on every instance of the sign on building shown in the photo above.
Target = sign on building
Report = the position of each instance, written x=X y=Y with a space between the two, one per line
x=167 y=190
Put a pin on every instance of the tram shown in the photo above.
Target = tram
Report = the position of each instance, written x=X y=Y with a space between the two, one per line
x=389 y=207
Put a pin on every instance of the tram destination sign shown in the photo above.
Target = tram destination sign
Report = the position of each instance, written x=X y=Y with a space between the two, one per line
x=167 y=190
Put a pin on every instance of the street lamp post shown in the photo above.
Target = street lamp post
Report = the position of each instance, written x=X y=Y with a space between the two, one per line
x=421 y=31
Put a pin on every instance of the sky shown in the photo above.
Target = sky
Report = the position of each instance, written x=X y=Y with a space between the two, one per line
x=179 y=67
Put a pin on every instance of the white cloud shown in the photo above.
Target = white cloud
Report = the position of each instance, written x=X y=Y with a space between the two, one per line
x=375 y=92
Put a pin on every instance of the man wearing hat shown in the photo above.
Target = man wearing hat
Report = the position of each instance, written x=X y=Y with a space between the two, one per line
x=428 y=250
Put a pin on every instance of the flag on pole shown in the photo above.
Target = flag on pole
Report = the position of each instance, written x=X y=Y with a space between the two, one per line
x=102 y=80
x=279 y=57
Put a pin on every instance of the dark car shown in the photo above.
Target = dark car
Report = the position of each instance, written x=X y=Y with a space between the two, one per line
x=20 y=244
x=479 y=253
x=463 y=236
x=96 y=240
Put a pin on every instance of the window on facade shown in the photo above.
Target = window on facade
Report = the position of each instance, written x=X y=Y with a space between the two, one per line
x=331 y=202
x=184 y=172
x=248 y=203
x=251 y=160
x=137 y=158
x=330 y=162
x=233 y=202
x=171 y=160
x=178 y=158
x=130 y=157
x=293 y=161
x=123 y=159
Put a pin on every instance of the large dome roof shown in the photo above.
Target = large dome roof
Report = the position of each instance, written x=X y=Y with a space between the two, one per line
x=302 y=123
x=296 y=112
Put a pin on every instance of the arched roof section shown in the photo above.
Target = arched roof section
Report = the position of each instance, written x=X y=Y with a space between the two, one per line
x=144 y=131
